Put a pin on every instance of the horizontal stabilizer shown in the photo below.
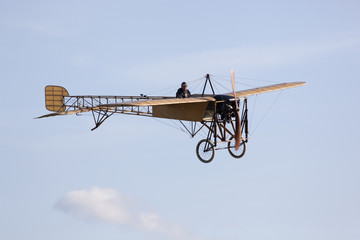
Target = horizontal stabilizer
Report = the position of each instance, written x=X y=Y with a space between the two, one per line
x=65 y=113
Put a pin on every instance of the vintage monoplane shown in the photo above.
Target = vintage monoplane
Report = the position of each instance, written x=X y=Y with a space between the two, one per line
x=225 y=116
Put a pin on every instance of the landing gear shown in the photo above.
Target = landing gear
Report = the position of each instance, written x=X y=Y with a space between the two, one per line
x=205 y=151
x=236 y=153
x=222 y=129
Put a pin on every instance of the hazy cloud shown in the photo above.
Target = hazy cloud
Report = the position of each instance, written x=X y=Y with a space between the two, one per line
x=242 y=58
x=108 y=205
x=52 y=28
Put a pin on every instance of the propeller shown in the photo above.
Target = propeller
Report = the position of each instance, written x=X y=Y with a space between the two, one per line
x=237 y=115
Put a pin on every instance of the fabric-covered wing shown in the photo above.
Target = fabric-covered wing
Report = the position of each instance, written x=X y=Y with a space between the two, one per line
x=188 y=109
x=266 y=89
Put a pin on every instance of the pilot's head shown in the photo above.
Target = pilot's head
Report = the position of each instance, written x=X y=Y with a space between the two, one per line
x=184 y=85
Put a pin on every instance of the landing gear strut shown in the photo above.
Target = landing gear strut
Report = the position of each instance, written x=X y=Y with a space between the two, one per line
x=222 y=130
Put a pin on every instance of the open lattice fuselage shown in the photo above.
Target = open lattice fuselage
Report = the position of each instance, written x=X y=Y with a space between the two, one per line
x=103 y=107
x=187 y=110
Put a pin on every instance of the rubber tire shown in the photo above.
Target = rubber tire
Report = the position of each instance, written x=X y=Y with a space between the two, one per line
x=212 y=149
x=233 y=154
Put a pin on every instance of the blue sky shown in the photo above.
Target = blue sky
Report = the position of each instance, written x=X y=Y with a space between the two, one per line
x=136 y=178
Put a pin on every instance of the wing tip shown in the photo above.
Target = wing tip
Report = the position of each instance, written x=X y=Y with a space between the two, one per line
x=300 y=83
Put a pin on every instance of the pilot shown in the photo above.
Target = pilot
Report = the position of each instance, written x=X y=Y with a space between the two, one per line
x=183 y=92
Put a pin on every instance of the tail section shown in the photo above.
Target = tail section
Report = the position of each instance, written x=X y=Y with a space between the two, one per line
x=55 y=98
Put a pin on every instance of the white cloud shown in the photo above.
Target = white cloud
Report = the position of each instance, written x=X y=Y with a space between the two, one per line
x=149 y=221
x=98 y=203
x=108 y=205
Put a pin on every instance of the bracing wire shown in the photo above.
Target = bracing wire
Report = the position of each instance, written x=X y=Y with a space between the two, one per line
x=226 y=79
x=252 y=112
x=176 y=127
x=217 y=82
x=171 y=88
x=256 y=79
x=216 y=89
x=244 y=78
x=266 y=113
x=194 y=85
x=195 y=88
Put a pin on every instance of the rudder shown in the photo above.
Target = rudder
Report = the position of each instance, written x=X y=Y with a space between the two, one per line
x=54 y=98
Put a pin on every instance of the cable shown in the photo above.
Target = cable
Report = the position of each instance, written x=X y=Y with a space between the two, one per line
x=172 y=87
x=252 y=113
x=263 y=117
x=177 y=127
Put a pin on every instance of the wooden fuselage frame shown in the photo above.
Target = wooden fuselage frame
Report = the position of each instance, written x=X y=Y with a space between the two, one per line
x=200 y=111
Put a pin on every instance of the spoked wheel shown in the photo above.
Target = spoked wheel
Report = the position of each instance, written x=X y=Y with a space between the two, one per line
x=205 y=151
x=236 y=153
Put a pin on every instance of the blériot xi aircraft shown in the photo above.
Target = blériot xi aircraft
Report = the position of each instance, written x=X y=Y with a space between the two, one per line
x=224 y=116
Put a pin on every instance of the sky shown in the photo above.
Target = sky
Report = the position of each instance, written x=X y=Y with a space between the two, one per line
x=137 y=178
